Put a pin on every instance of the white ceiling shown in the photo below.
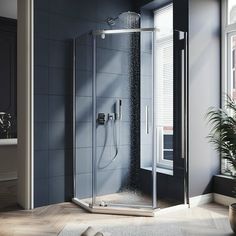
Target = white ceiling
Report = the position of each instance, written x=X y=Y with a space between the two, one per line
x=8 y=8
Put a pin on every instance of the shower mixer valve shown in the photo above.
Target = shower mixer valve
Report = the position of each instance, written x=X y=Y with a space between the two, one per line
x=101 y=118
x=117 y=115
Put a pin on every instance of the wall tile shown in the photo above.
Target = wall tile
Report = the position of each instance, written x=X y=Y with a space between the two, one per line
x=60 y=81
x=83 y=134
x=121 y=42
x=60 y=189
x=111 y=181
x=84 y=9
x=125 y=133
x=126 y=110
x=41 y=108
x=41 y=23
x=41 y=136
x=60 y=163
x=84 y=59
x=112 y=61
x=83 y=186
x=41 y=51
x=84 y=83
x=60 y=136
x=62 y=27
x=83 y=160
x=56 y=163
x=40 y=80
x=60 y=54
x=104 y=159
x=57 y=109
x=106 y=105
x=108 y=85
x=41 y=192
x=41 y=5
x=41 y=164
x=104 y=134
x=83 y=109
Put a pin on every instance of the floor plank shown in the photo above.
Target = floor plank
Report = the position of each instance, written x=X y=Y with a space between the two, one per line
x=51 y=220
x=8 y=191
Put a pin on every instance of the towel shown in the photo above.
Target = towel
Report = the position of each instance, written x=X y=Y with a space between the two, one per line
x=89 y=232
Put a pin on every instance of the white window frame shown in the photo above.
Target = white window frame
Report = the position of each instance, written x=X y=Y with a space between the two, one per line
x=161 y=162
x=227 y=31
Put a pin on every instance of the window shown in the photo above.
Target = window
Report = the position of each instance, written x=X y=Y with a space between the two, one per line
x=163 y=76
x=229 y=56
x=231 y=11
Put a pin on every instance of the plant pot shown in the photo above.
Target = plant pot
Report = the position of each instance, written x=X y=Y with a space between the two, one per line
x=232 y=216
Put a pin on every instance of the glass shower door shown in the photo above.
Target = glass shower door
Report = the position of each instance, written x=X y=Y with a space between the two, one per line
x=121 y=121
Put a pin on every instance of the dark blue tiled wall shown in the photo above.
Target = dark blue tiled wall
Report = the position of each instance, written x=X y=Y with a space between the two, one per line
x=56 y=23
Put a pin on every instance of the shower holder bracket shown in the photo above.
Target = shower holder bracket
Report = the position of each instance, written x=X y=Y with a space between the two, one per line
x=111 y=116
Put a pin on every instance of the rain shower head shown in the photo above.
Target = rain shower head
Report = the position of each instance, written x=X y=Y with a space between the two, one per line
x=124 y=17
x=129 y=15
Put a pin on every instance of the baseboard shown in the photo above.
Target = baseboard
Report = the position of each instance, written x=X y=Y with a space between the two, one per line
x=223 y=200
x=6 y=176
x=201 y=200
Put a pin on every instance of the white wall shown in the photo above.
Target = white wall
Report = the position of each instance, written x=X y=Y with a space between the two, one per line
x=204 y=90
x=8 y=154
x=8 y=8
x=24 y=103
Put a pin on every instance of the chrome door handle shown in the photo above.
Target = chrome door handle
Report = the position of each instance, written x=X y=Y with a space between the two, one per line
x=147 y=119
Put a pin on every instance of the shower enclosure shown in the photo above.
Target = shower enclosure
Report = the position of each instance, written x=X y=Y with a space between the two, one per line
x=115 y=122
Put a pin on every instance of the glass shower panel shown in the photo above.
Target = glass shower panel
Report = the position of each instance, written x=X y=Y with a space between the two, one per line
x=83 y=119
x=119 y=179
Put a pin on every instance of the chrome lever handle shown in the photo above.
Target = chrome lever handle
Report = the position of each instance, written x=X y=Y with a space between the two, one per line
x=147 y=119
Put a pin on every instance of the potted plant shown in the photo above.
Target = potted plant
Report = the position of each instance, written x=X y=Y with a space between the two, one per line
x=223 y=137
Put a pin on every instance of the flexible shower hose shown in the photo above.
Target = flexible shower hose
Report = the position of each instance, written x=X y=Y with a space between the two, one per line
x=113 y=123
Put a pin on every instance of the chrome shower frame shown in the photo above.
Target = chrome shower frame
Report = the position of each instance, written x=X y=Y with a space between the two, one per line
x=120 y=209
x=123 y=31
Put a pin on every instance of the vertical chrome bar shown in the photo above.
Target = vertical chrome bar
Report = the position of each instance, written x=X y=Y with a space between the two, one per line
x=186 y=118
x=185 y=113
x=147 y=119
x=74 y=115
x=183 y=103
x=32 y=104
x=154 y=131
x=94 y=116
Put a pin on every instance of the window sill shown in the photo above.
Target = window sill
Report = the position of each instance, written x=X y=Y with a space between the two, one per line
x=7 y=142
x=224 y=184
x=225 y=176
x=160 y=170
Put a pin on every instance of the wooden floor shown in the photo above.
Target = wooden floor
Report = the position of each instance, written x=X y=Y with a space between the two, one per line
x=52 y=219
x=8 y=191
